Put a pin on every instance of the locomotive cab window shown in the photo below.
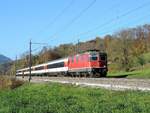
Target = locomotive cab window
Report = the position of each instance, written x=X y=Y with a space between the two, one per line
x=93 y=58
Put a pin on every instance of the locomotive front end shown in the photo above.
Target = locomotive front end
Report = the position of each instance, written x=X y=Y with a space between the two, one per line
x=98 y=63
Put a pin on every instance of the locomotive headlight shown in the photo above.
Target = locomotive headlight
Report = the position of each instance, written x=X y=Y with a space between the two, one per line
x=104 y=66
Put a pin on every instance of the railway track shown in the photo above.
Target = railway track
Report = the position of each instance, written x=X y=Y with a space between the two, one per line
x=108 y=83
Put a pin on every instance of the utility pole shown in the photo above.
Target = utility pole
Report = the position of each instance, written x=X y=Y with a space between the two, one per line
x=30 y=60
x=30 y=57
x=16 y=66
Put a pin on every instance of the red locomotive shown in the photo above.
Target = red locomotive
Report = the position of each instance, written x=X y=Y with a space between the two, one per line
x=92 y=63
x=88 y=64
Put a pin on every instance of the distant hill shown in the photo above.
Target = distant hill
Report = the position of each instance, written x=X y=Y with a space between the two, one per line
x=4 y=59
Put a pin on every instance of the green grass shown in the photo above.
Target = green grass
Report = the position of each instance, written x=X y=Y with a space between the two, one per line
x=58 y=98
x=143 y=74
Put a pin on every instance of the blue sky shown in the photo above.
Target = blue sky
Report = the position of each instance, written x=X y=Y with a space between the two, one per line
x=22 y=20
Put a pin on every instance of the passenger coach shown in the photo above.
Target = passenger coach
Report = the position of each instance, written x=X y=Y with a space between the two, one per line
x=50 y=68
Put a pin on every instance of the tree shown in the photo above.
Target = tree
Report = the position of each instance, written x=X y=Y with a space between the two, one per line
x=124 y=48
x=141 y=60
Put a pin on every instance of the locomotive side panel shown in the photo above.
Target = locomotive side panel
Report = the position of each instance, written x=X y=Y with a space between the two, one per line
x=79 y=63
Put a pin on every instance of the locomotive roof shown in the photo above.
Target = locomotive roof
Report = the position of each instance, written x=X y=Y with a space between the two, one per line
x=93 y=51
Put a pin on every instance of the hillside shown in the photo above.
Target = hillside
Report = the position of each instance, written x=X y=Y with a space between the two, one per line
x=5 y=64
x=128 y=50
x=4 y=59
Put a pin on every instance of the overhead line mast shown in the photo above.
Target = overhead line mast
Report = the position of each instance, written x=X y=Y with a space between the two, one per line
x=30 y=57
x=30 y=61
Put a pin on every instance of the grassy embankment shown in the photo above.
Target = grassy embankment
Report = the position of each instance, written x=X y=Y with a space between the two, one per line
x=138 y=71
x=142 y=74
x=58 y=98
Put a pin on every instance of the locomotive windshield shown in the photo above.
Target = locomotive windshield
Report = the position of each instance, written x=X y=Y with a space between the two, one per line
x=92 y=58
x=103 y=56
x=98 y=55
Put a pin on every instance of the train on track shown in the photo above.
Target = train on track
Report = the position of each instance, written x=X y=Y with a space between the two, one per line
x=88 y=64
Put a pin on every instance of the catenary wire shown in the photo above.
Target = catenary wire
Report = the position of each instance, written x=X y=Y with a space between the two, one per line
x=112 y=20
x=75 y=18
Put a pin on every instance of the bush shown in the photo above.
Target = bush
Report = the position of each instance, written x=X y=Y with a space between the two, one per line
x=4 y=83
x=16 y=83
x=9 y=83
x=141 y=60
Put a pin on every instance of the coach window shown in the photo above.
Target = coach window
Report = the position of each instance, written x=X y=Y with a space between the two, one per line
x=39 y=68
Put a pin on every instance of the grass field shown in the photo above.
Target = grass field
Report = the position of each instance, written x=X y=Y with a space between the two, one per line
x=143 y=74
x=58 y=98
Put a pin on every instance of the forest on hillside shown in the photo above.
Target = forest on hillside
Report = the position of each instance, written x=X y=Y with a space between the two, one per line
x=127 y=49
